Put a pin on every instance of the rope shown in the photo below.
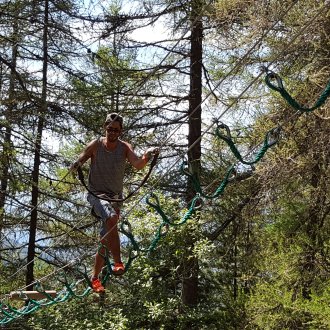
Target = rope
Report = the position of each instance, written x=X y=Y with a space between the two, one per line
x=197 y=186
x=271 y=138
x=195 y=205
x=270 y=75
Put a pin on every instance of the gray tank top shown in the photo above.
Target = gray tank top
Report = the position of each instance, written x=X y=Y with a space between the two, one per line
x=106 y=172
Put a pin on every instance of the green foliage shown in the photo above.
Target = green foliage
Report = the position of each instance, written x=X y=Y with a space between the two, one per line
x=86 y=314
x=274 y=307
x=291 y=279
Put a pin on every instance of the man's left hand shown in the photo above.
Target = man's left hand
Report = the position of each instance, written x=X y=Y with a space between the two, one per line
x=151 y=152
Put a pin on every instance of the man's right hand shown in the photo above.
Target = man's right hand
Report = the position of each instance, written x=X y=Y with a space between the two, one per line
x=74 y=166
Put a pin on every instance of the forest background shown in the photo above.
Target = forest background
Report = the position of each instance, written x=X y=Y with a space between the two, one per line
x=216 y=239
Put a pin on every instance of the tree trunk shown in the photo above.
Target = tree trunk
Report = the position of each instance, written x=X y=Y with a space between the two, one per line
x=190 y=278
x=7 y=148
x=42 y=109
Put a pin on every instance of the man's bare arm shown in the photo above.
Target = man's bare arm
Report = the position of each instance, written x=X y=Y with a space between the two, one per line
x=139 y=162
x=86 y=154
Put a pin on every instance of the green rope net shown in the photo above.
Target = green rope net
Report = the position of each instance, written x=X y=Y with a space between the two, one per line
x=11 y=313
x=197 y=185
x=291 y=101
x=271 y=138
x=153 y=201
x=163 y=228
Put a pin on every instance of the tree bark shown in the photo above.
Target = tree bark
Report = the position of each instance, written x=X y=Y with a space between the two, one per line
x=190 y=278
x=37 y=156
x=6 y=148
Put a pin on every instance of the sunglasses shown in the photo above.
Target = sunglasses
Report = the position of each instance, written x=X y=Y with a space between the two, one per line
x=113 y=130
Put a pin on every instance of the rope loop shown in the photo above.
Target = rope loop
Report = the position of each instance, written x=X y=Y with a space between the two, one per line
x=134 y=252
x=185 y=168
x=100 y=251
x=197 y=203
x=40 y=289
x=156 y=206
x=226 y=137
x=126 y=229
x=273 y=136
x=270 y=139
x=270 y=75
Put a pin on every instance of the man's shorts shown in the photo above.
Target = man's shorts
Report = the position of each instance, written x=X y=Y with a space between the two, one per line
x=103 y=210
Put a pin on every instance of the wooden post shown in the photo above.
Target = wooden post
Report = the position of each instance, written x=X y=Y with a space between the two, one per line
x=35 y=295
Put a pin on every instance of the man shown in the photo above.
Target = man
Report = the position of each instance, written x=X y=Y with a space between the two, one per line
x=108 y=157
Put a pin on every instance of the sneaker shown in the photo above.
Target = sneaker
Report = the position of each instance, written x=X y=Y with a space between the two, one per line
x=97 y=285
x=118 y=268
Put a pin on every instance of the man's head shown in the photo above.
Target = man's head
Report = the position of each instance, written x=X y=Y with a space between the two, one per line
x=112 y=117
x=113 y=126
